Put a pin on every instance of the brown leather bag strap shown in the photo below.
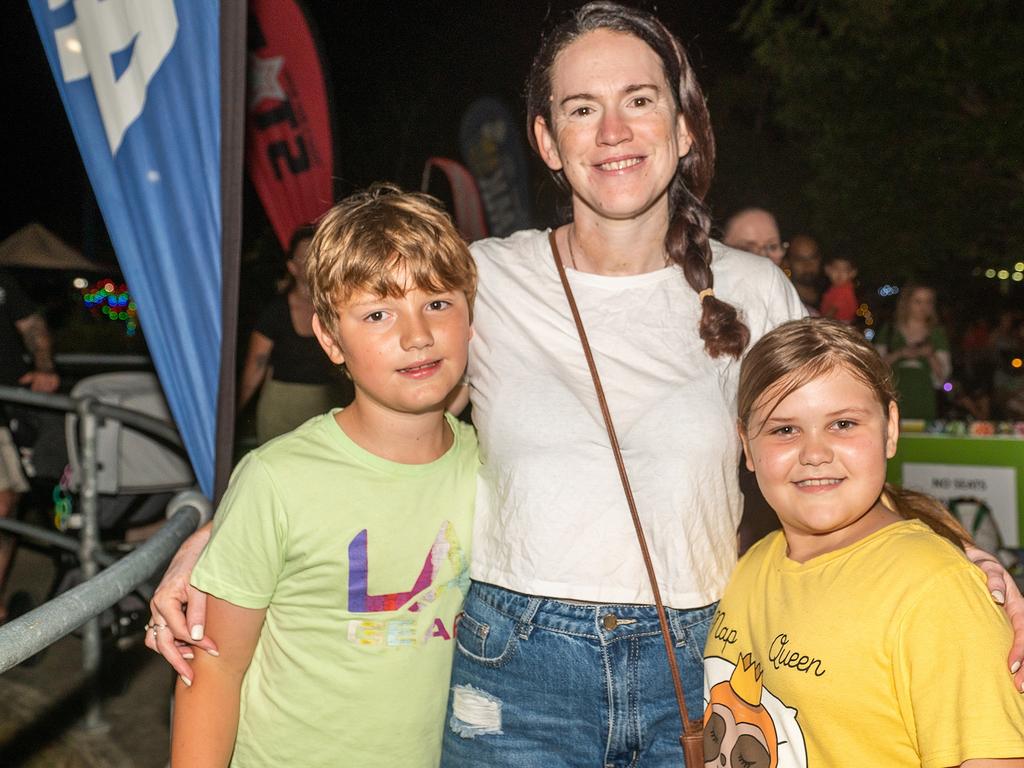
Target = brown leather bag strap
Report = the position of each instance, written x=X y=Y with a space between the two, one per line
x=692 y=736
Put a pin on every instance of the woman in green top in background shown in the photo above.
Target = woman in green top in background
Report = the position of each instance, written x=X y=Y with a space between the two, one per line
x=917 y=349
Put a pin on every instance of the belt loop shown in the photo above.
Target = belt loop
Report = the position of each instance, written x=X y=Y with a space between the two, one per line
x=674 y=619
x=524 y=625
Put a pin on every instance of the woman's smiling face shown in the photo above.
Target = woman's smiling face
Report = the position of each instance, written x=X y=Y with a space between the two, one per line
x=616 y=132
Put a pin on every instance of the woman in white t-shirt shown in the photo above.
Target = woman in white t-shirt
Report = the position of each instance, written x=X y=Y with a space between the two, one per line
x=559 y=661
x=559 y=651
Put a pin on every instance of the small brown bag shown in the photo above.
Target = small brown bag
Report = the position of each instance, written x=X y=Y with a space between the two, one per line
x=692 y=734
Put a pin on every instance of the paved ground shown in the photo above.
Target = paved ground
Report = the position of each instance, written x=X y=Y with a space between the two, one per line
x=41 y=702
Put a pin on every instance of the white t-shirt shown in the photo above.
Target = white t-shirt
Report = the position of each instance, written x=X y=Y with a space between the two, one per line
x=551 y=516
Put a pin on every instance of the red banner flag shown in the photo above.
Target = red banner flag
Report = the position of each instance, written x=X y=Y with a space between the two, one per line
x=289 y=150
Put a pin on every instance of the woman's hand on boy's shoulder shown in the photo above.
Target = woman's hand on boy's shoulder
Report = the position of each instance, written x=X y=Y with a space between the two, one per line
x=1005 y=592
x=178 y=610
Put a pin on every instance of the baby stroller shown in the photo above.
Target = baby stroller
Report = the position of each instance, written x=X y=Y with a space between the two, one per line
x=137 y=475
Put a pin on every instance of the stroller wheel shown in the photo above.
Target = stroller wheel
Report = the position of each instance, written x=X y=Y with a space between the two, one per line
x=132 y=612
x=18 y=604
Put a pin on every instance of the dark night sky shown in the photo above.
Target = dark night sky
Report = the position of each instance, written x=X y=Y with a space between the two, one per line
x=400 y=82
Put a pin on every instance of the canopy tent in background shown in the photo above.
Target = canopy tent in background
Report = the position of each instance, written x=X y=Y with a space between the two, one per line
x=35 y=247
x=153 y=90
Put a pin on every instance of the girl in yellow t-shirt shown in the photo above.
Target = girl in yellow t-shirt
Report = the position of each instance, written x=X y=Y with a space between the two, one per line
x=859 y=634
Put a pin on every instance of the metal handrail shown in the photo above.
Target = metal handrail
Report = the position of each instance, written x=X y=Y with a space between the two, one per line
x=81 y=606
x=143 y=421
x=32 y=632
x=53 y=402
x=53 y=538
x=97 y=360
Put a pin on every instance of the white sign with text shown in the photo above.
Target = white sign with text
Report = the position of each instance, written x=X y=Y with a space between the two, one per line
x=996 y=486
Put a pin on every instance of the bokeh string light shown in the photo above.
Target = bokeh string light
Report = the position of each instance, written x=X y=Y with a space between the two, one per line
x=112 y=300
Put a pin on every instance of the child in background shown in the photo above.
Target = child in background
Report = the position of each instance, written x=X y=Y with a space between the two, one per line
x=839 y=301
x=339 y=555
x=855 y=636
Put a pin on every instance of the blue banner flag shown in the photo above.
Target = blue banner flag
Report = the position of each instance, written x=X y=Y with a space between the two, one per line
x=140 y=80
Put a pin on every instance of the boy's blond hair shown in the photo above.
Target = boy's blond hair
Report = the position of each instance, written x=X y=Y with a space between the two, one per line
x=383 y=241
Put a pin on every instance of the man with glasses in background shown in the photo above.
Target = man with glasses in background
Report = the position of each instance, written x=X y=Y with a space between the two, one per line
x=755 y=230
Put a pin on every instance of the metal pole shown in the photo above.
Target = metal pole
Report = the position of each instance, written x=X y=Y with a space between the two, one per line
x=89 y=546
x=81 y=606
x=52 y=538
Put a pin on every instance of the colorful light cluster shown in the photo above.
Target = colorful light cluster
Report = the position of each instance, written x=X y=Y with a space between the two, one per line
x=112 y=300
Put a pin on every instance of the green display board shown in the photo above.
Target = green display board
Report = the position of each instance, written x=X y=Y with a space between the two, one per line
x=989 y=468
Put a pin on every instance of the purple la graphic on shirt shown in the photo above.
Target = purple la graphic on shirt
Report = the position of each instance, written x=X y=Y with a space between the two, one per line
x=359 y=599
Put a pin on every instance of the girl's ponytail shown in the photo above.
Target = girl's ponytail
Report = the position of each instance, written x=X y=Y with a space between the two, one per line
x=912 y=505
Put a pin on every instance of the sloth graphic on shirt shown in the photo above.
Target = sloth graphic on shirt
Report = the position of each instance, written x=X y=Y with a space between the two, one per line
x=745 y=725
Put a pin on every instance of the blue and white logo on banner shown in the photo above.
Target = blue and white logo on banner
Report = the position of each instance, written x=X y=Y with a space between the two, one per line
x=140 y=80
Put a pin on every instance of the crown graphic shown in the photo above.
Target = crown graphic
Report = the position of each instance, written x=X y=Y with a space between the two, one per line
x=746 y=680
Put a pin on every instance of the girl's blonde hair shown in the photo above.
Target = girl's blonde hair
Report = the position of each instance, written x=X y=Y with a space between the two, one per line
x=800 y=351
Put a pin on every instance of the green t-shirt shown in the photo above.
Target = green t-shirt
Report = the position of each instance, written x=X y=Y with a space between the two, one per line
x=362 y=565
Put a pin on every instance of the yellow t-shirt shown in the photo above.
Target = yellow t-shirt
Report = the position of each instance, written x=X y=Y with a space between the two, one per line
x=889 y=652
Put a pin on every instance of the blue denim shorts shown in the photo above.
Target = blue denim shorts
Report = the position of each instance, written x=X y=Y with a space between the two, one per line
x=541 y=682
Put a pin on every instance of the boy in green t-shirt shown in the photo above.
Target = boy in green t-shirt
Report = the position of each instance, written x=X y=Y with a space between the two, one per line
x=339 y=555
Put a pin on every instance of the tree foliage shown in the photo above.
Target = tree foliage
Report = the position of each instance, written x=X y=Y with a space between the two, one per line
x=911 y=113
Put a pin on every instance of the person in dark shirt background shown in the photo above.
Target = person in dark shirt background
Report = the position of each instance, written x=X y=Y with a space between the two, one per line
x=26 y=359
x=284 y=363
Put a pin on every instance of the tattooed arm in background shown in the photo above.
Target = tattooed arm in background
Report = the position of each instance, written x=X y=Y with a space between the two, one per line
x=36 y=336
x=256 y=368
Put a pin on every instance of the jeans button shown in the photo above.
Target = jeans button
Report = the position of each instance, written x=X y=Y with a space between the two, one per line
x=610 y=621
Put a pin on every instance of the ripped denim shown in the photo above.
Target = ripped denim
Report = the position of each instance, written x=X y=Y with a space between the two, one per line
x=539 y=682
